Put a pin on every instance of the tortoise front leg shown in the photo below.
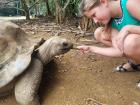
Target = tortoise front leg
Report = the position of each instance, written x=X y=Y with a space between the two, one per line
x=26 y=88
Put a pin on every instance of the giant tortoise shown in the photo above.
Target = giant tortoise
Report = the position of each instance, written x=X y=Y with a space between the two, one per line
x=22 y=60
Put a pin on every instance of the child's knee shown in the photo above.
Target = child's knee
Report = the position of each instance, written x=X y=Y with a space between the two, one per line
x=130 y=45
x=98 y=33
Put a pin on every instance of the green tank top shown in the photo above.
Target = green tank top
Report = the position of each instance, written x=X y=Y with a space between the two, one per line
x=126 y=19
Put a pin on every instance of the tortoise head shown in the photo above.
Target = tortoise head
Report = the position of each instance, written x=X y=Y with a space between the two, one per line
x=59 y=46
x=52 y=47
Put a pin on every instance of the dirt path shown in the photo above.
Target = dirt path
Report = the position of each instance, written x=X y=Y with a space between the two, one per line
x=84 y=80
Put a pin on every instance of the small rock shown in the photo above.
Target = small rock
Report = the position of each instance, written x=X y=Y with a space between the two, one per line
x=135 y=103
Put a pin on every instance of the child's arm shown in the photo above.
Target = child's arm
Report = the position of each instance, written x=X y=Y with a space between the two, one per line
x=110 y=51
x=132 y=29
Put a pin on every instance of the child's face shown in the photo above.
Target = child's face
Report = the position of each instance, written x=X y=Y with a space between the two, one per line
x=100 y=14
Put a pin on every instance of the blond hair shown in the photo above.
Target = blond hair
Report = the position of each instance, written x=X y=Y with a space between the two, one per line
x=87 y=5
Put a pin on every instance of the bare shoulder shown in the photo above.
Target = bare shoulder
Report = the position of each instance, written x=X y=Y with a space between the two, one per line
x=133 y=8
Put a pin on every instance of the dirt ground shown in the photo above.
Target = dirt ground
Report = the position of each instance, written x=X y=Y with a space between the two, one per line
x=74 y=79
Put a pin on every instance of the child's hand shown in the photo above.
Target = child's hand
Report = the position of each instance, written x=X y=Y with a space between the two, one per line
x=84 y=49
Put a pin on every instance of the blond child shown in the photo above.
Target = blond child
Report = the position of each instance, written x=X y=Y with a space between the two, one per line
x=121 y=32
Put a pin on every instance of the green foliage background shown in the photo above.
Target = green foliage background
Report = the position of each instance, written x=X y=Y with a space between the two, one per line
x=71 y=10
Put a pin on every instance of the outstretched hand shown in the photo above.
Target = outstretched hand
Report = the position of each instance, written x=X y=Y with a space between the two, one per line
x=84 y=49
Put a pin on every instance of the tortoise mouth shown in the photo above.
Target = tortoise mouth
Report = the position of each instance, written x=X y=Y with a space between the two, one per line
x=67 y=48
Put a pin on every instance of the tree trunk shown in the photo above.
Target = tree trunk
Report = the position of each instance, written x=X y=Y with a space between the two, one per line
x=48 y=9
x=60 y=11
x=26 y=10
x=88 y=24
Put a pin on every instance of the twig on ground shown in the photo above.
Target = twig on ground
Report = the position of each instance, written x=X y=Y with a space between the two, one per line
x=94 y=100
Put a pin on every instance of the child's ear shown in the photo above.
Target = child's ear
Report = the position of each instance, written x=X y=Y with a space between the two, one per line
x=105 y=2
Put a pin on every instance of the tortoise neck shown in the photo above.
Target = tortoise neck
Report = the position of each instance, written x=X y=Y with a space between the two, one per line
x=44 y=53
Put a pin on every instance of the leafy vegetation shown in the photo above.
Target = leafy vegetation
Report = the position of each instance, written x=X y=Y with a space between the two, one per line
x=60 y=9
x=40 y=7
